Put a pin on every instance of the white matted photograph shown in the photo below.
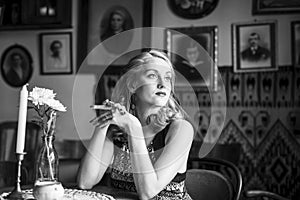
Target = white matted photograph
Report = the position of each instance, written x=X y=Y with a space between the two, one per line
x=56 y=53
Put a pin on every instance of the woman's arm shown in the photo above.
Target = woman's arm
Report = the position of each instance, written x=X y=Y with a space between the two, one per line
x=96 y=160
x=151 y=179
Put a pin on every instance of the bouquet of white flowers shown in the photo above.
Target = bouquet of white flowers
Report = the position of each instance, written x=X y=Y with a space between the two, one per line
x=46 y=106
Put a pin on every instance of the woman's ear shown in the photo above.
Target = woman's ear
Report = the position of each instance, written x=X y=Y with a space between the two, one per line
x=131 y=85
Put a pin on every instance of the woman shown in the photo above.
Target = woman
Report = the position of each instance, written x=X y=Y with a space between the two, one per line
x=151 y=159
x=117 y=21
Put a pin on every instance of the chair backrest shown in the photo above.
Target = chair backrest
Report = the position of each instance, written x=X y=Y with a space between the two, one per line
x=8 y=172
x=224 y=168
x=8 y=134
x=207 y=184
x=230 y=151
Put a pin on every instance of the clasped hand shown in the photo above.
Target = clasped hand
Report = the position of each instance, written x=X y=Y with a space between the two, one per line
x=113 y=113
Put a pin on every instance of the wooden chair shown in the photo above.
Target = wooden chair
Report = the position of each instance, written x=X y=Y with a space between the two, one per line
x=8 y=134
x=219 y=179
x=208 y=184
x=8 y=171
x=225 y=174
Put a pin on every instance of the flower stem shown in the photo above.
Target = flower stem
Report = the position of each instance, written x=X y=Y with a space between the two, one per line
x=48 y=157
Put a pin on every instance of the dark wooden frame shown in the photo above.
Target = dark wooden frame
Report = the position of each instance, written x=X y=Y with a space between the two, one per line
x=2 y=9
x=289 y=7
x=46 y=39
x=83 y=11
x=192 y=11
x=26 y=56
x=295 y=43
x=196 y=32
x=30 y=19
x=243 y=30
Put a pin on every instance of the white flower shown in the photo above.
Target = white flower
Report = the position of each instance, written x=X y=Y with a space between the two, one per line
x=39 y=96
x=45 y=97
x=55 y=104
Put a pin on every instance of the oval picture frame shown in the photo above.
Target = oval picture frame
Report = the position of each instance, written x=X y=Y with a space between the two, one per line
x=16 y=66
x=195 y=9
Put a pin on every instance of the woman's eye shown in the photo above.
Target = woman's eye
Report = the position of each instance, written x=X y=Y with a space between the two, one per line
x=168 y=78
x=152 y=76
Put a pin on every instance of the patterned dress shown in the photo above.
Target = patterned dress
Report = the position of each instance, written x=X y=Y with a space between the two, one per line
x=122 y=178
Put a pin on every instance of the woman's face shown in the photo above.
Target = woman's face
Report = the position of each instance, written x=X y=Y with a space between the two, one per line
x=116 y=22
x=153 y=84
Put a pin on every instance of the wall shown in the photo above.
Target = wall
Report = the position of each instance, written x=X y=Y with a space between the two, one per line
x=61 y=84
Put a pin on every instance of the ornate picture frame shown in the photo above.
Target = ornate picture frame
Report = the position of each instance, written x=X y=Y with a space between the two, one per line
x=261 y=7
x=295 y=43
x=187 y=41
x=100 y=29
x=254 y=46
x=192 y=9
x=56 y=53
x=16 y=66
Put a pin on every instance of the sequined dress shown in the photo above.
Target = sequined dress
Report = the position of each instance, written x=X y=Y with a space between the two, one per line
x=122 y=178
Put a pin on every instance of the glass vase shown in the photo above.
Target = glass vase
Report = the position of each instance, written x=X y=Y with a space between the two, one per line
x=47 y=163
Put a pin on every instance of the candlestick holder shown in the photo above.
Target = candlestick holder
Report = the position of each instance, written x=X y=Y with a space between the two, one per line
x=17 y=193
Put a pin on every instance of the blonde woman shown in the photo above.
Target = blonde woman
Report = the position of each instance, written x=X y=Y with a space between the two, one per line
x=150 y=157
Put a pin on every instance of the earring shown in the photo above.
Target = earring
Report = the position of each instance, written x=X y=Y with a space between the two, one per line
x=132 y=106
x=132 y=102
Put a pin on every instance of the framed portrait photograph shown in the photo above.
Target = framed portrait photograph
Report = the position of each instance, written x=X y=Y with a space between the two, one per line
x=196 y=54
x=295 y=43
x=16 y=66
x=192 y=9
x=260 y=7
x=56 y=53
x=254 y=46
x=107 y=31
x=2 y=7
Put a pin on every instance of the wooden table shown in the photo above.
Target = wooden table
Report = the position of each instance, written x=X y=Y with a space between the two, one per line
x=116 y=193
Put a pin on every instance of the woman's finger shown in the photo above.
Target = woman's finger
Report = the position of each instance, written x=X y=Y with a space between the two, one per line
x=120 y=108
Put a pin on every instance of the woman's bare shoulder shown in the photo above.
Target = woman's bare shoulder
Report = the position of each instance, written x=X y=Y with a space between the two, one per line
x=178 y=123
x=182 y=126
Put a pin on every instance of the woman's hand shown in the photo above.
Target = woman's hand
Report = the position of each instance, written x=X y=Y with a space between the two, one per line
x=114 y=113
x=104 y=118
x=123 y=119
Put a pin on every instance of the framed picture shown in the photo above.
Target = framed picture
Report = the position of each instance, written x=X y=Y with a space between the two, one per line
x=275 y=6
x=254 y=46
x=16 y=66
x=295 y=43
x=193 y=51
x=106 y=19
x=192 y=9
x=56 y=53
x=2 y=7
x=46 y=13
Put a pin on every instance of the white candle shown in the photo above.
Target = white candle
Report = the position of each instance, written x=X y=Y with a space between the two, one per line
x=22 y=120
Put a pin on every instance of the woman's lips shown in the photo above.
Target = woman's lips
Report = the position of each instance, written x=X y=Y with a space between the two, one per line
x=161 y=94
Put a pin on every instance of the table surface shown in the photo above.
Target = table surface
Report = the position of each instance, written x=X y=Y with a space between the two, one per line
x=116 y=193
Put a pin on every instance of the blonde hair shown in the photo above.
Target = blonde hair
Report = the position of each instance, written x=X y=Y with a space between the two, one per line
x=123 y=92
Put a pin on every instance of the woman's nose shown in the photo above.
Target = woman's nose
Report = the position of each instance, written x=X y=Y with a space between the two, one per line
x=160 y=83
x=160 y=86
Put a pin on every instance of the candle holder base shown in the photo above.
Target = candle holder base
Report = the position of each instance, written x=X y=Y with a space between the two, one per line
x=17 y=193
